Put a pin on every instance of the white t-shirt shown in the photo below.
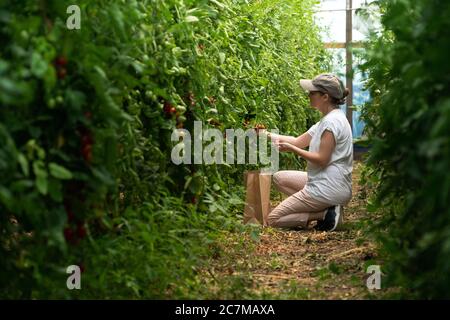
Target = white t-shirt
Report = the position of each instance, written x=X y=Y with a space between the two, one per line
x=332 y=184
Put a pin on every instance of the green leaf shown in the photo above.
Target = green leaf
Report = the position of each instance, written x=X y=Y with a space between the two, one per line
x=219 y=4
x=76 y=99
x=103 y=175
x=101 y=72
x=188 y=181
x=38 y=65
x=23 y=164
x=59 y=172
x=6 y=197
x=42 y=184
x=195 y=186
x=55 y=190
x=191 y=19
x=255 y=235
x=41 y=176
x=221 y=57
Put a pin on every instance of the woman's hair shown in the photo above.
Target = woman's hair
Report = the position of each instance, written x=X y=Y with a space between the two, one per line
x=335 y=101
x=342 y=100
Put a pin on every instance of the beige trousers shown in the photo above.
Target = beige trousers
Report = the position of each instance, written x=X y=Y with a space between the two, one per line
x=299 y=208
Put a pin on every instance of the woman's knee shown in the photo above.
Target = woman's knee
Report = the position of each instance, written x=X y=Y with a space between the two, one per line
x=272 y=216
x=278 y=179
x=275 y=215
x=272 y=220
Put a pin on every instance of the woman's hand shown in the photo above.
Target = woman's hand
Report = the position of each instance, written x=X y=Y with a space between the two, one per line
x=262 y=132
x=285 y=146
x=320 y=158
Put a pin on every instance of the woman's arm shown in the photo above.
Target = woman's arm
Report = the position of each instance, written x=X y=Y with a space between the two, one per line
x=302 y=141
x=320 y=158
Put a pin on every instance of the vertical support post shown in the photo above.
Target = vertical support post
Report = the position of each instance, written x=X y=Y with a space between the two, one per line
x=349 y=62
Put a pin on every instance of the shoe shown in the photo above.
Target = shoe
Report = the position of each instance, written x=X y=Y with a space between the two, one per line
x=331 y=220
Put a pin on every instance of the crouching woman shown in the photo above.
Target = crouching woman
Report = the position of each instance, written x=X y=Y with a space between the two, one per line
x=319 y=193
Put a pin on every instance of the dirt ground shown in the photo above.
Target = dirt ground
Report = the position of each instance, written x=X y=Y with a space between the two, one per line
x=307 y=264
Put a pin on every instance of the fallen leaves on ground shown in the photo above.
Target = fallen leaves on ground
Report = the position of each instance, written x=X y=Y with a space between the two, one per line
x=304 y=264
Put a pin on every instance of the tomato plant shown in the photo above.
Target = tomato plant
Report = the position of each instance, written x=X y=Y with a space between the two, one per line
x=85 y=123
x=407 y=123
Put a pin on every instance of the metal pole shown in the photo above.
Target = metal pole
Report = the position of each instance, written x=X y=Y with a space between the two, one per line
x=349 y=62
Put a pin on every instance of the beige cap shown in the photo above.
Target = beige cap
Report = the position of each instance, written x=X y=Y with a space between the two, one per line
x=326 y=83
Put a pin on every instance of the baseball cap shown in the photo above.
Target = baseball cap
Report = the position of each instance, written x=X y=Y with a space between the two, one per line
x=326 y=83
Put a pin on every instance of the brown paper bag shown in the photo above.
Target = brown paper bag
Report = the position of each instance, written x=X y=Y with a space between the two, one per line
x=257 y=199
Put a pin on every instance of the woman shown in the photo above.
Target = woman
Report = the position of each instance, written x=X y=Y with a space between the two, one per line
x=319 y=193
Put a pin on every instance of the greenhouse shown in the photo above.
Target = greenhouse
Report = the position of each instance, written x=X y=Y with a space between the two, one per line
x=224 y=150
x=344 y=30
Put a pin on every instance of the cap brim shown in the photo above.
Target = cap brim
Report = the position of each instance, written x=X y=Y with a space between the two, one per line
x=308 y=85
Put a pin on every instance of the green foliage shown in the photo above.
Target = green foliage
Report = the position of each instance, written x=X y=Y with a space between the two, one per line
x=407 y=121
x=85 y=123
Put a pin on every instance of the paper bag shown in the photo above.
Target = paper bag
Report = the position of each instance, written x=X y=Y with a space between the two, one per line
x=257 y=199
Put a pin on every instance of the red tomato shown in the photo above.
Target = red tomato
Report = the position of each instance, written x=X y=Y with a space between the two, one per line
x=61 y=61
